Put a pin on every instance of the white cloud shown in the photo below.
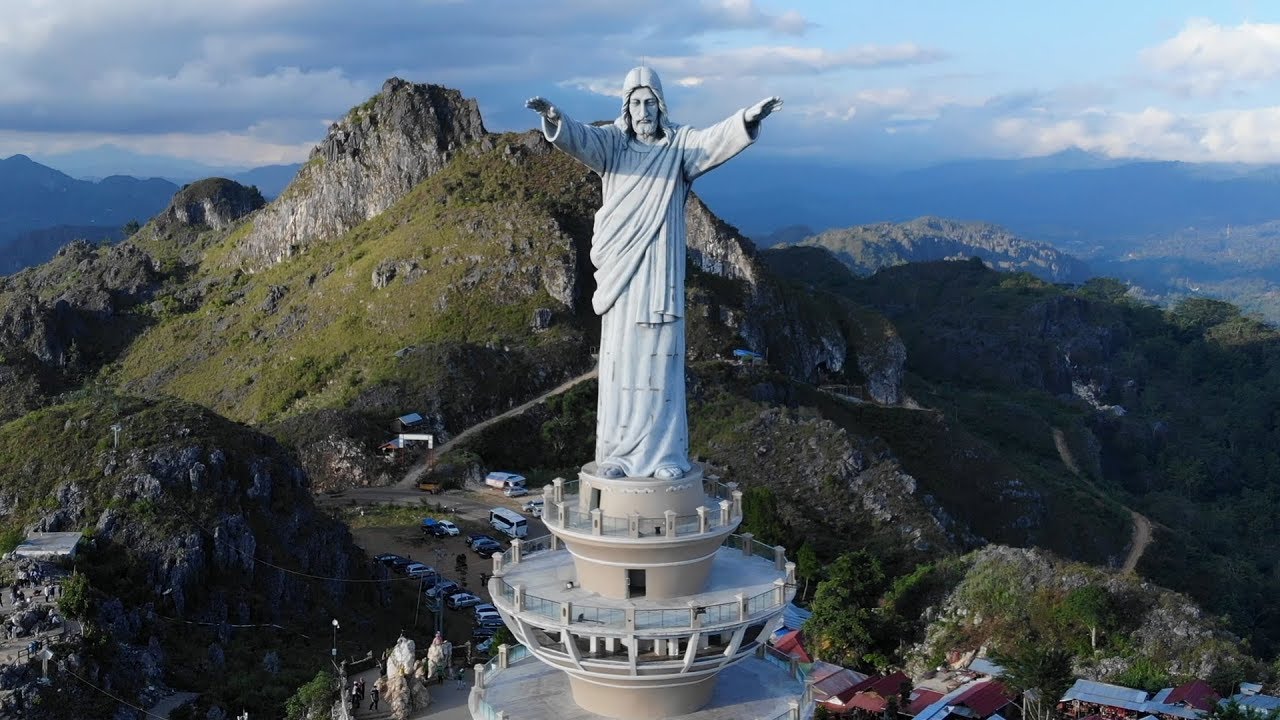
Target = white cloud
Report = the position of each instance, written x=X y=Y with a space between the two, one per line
x=770 y=61
x=1206 y=58
x=1246 y=136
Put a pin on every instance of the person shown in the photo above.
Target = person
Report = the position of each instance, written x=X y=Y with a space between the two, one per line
x=646 y=164
x=373 y=693
x=460 y=678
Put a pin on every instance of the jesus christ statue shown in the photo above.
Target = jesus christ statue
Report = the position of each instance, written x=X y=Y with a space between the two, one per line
x=647 y=164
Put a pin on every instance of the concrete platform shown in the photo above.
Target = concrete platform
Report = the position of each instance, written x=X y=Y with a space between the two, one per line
x=753 y=689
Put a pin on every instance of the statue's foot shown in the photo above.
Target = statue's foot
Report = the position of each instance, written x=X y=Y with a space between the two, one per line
x=610 y=470
x=668 y=472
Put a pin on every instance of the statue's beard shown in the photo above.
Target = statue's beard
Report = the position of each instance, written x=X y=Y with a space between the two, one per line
x=648 y=130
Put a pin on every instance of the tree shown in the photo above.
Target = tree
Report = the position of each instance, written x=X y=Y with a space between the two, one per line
x=314 y=699
x=74 y=601
x=131 y=228
x=1036 y=666
x=760 y=515
x=844 y=622
x=1091 y=606
x=807 y=566
x=1232 y=710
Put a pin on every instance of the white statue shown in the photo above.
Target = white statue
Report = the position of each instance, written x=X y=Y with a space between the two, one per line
x=439 y=657
x=647 y=164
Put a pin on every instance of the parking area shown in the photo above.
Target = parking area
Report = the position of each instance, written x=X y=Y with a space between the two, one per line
x=449 y=556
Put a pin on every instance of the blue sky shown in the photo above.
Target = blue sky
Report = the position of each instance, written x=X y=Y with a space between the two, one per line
x=239 y=83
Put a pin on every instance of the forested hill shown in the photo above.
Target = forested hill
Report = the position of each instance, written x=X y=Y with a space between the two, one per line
x=1172 y=411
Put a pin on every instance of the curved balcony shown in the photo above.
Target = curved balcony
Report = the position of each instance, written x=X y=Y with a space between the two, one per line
x=535 y=580
x=565 y=509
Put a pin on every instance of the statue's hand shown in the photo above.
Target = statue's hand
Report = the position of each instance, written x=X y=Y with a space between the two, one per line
x=544 y=108
x=762 y=109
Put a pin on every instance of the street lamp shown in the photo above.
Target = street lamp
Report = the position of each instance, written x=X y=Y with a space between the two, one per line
x=335 y=638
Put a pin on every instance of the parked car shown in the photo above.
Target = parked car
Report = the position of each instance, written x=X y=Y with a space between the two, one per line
x=486 y=548
x=473 y=537
x=516 y=491
x=448 y=528
x=388 y=559
x=457 y=601
x=487 y=614
x=532 y=505
x=399 y=564
x=485 y=645
x=444 y=589
x=503 y=480
x=419 y=570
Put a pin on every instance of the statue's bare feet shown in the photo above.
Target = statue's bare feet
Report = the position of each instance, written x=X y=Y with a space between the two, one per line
x=668 y=472
x=610 y=470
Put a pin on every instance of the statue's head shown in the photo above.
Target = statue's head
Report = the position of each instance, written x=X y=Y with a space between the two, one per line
x=644 y=110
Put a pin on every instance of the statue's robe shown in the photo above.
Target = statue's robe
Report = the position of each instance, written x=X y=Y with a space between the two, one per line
x=638 y=249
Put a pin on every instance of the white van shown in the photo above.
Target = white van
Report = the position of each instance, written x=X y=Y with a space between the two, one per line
x=508 y=522
x=504 y=480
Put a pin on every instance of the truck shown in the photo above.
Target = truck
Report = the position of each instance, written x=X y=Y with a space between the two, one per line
x=434 y=488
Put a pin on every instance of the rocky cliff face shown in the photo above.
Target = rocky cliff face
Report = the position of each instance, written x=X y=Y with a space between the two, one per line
x=368 y=160
x=216 y=203
x=201 y=534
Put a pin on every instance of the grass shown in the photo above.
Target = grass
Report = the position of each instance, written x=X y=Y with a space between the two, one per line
x=479 y=257
x=392 y=515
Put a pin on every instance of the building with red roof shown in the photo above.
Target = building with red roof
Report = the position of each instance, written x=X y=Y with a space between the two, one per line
x=793 y=644
x=872 y=694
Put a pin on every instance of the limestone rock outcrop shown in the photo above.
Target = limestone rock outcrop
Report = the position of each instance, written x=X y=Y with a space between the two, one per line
x=368 y=160
x=213 y=202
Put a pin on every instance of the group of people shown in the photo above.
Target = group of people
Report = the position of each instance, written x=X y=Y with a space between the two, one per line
x=357 y=695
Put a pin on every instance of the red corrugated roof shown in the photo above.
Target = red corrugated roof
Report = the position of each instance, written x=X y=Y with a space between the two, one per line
x=792 y=644
x=985 y=698
x=873 y=693
x=1196 y=693
x=922 y=698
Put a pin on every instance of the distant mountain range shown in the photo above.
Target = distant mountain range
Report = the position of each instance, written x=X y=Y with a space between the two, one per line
x=864 y=249
x=42 y=209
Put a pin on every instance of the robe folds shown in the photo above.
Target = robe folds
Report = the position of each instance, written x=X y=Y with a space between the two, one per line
x=638 y=250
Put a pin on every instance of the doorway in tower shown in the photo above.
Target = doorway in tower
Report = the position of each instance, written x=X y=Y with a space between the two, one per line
x=635 y=583
x=595 y=499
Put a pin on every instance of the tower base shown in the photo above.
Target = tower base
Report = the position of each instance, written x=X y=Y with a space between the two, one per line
x=620 y=700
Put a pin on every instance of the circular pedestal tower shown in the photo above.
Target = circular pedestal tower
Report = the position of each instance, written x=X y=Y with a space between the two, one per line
x=642 y=593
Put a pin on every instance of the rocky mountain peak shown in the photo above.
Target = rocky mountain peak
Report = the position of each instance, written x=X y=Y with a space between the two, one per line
x=215 y=202
x=369 y=159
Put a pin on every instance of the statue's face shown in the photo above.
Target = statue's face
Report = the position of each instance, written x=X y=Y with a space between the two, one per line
x=642 y=108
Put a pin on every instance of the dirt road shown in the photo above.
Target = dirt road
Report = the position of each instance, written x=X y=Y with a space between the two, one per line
x=1138 y=546
x=411 y=477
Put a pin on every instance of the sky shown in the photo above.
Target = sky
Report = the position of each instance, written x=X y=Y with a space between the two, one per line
x=243 y=83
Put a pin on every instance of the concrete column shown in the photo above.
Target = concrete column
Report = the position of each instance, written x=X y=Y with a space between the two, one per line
x=548 y=496
x=497 y=563
x=779 y=592
x=742 y=602
x=555 y=541
x=557 y=489
x=630 y=614
x=519 y=598
x=695 y=617
x=566 y=612
x=515 y=551
x=593 y=645
x=790 y=567
x=725 y=512
x=737 y=503
x=560 y=513
x=670 y=515
x=597 y=525
x=659 y=646
x=702 y=519
x=779 y=557
x=673 y=647
x=633 y=525
x=504 y=654
x=610 y=644
x=794 y=707
x=502 y=715
x=479 y=682
x=747 y=539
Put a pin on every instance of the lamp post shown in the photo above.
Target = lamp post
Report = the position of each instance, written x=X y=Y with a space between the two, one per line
x=334 y=652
